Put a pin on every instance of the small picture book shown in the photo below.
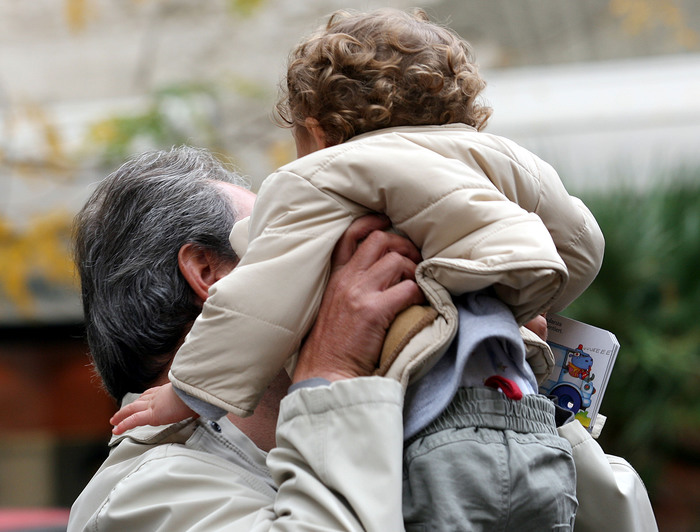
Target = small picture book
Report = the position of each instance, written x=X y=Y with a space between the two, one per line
x=583 y=360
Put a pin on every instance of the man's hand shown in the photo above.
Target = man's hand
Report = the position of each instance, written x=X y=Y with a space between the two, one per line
x=372 y=280
x=156 y=406
x=538 y=325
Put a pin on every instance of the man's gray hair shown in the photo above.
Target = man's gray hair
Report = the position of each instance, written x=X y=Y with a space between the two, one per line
x=137 y=304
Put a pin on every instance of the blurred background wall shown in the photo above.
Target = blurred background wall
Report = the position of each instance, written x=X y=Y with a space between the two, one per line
x=605 y=90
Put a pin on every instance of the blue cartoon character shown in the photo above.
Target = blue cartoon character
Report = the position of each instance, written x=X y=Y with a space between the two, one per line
x=579 y=363
x=574 y=387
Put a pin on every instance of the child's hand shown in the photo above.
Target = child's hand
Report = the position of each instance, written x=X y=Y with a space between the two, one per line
x=156 y=406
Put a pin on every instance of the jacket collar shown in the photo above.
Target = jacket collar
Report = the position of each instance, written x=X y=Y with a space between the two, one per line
x=226 y=440
x=412 y=129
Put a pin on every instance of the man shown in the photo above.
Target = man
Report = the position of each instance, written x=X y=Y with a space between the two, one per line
x=150 y=242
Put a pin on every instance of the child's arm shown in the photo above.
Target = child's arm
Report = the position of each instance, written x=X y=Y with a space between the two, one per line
x=256 y=317
x=574 y=230
x=156 y=406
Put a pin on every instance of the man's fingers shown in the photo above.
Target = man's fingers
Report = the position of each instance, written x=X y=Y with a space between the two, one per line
x=354 y=234
x=386 y=242
x=402 y=295
x=390 y=270
x=538 y=325
x=380 y=243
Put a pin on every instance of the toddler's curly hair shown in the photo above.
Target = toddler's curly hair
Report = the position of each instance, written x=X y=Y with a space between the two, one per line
x=366 y=71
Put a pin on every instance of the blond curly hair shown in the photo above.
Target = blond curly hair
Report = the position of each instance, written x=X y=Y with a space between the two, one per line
x=366 y=71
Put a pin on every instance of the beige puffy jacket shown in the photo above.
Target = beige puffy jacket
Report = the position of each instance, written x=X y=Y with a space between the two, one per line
x=483 y=210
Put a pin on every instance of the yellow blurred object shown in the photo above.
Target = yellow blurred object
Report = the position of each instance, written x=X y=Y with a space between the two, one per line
x=42 y=251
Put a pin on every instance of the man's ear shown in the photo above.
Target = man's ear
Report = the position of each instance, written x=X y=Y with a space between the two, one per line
x=201 y=268
x=317 y=132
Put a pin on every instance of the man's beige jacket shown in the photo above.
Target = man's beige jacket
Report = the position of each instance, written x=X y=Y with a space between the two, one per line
x=483 y=210
x=325 y=474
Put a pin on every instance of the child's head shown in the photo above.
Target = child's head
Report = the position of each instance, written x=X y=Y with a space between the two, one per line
x=368 y=71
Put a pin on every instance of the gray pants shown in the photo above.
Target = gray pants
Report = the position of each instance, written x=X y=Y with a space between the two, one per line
x=489 y=463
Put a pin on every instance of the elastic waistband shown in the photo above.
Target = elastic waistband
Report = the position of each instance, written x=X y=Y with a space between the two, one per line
x=489 y=408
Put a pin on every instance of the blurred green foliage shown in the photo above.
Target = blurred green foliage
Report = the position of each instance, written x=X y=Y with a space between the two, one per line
x=180 y=114
x=188 y=113
x=648 y=294
x=245 y=7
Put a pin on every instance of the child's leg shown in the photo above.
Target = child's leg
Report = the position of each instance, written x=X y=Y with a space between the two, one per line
x=489 y=463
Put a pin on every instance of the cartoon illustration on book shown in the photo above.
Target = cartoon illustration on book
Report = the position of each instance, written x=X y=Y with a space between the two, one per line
x=578 y=350
x=574 y=387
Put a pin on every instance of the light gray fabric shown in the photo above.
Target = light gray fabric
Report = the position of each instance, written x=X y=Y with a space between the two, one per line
x=309 y=383
x=490 y=464
x=486 y=324
x=204 y=409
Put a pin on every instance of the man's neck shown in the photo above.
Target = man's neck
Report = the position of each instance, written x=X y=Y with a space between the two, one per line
x=261 y=426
